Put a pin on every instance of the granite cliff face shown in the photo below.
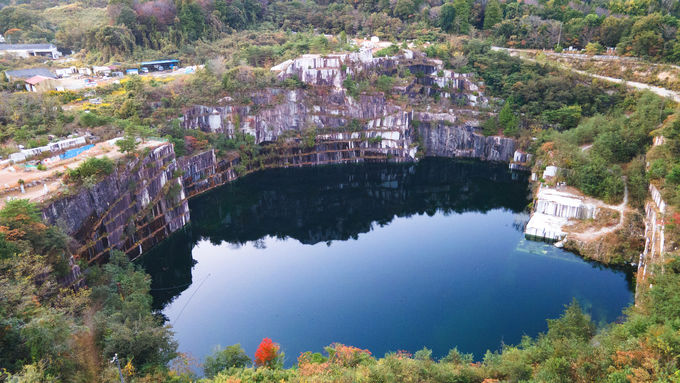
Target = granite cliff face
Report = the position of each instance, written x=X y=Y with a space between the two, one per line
x=435 y=108
x=131 y=210
x=442 y=139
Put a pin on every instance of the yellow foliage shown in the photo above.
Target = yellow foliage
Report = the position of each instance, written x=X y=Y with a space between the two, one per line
x=129 y=369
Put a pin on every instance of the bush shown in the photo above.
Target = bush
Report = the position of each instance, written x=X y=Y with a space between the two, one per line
x=389 y=51
x=351 y=86
x=222 y=359
x=674 y=175
x=92 y=167
x=384 y=83
x=91 y=120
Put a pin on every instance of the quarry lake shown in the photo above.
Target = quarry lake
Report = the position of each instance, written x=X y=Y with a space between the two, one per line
x=384 y=257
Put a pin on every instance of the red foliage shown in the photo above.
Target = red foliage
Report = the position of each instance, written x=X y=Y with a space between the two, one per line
x=163 y=11
x=193 y=144
x=676 y=218
x=266 y=352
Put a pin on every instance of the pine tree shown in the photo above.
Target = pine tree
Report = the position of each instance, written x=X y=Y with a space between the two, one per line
x=462 y=15
x=508 y=120
x=492 y=14
x=447 y=17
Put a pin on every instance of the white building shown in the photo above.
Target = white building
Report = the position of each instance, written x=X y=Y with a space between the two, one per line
x=101 y=70
x=27 y=50
x=51 y=147
x=65 y=72
x=2 y=39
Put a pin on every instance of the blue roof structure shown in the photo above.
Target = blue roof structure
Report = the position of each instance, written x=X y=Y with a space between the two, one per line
x=159 y=62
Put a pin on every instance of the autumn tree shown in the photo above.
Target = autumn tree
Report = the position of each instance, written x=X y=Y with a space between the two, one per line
x=268 y=354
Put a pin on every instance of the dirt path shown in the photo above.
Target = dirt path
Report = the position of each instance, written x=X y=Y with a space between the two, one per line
x=663 y=92
x=592 y=234
x=37 y=191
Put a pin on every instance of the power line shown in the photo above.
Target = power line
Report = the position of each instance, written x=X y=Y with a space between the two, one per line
x=172 y=287
x=189 y=300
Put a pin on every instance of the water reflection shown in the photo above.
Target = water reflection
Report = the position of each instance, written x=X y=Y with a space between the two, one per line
x=326 y=204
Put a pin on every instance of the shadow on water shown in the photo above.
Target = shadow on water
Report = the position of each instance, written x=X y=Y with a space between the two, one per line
x=328 y=203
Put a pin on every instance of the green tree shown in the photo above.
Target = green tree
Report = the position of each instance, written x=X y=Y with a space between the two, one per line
x=191 y=21
x=462 y=15
x=447 y=17
x=404 y=9
x=224 y=358
x=594 y=48
x=125 y=322
x=507 y=120
x=566 y=117
x=492 y=14
x=573 y=324
x=674 y=175
x=127 y=144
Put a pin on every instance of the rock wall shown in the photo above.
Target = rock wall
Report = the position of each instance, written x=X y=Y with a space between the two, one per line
x=552 y=210
x=444 y=140
x=340 y=121
x=131 y=210
x=655 y=237
x=203 y=171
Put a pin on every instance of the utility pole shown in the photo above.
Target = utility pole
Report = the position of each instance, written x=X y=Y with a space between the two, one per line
x=559 y=36
x=120 y=372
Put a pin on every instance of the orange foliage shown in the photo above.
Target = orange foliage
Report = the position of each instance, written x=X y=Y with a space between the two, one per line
x=346 y=355
x=548 y=147
x=12 y=234
x=308 y=368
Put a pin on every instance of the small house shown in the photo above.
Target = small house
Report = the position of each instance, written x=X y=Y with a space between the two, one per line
x=40 y=84
x=101 y=70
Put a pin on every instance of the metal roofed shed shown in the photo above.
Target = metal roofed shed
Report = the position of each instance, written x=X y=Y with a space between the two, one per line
x=159 y=65
x=27 y=50
x=17 y=74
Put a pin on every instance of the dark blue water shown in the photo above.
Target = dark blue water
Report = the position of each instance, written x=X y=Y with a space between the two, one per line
x=383 y=257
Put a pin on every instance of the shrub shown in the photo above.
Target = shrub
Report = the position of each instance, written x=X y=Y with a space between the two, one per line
x=658 y=169
x=92 y=167
x=674 y=175
x=384 y=83
x=224 y=358
x=91 y=120
x=389 y=51
x=351 y=86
